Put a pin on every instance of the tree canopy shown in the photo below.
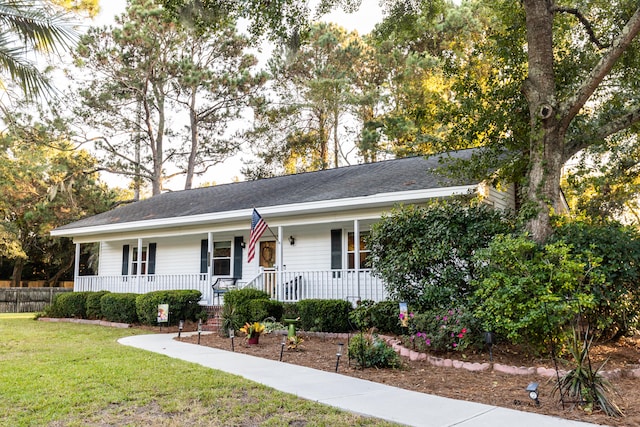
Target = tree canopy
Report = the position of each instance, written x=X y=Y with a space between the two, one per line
x=44 y=183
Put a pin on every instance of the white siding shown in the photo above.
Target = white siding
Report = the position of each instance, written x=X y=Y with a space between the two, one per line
x=178 y=255
x=503 y=199
x=110 y=261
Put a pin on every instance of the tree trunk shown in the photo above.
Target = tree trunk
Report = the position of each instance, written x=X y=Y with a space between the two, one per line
x=336 y=144
x=63 y=270
x=193 y=122
x=546 y=138
x=16 y=277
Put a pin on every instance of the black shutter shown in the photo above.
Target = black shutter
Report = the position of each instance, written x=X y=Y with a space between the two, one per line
x=204 y=253
x=336 y=249
x=237 y=257
x=125 y=260
x=151 y=262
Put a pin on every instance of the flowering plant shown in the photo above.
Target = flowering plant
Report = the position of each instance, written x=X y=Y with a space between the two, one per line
x=252 y=329
x=441 y=331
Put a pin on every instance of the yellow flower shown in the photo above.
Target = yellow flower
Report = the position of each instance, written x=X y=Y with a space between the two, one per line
x=252 y=329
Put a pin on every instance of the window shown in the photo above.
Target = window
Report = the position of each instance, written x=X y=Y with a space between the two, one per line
x=143 y=264
x=222 y=258
x=364 y=251
x=147 y=261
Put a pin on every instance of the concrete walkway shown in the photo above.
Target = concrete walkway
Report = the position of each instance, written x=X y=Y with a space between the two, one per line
x=348 y=393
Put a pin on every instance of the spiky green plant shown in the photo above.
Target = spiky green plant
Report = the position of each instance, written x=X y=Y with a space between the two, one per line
x=585 y=384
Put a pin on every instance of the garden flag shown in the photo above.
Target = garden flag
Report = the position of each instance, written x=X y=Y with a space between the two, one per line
x=258 y=226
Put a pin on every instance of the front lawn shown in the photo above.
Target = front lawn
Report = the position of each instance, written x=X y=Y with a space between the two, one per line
x=66 y=374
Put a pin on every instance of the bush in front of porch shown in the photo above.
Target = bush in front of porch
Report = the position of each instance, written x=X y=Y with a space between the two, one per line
x=247 y=306
x=127 y=308
x=183 y=305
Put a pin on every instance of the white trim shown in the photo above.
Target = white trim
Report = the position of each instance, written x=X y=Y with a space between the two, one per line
x=384 y=199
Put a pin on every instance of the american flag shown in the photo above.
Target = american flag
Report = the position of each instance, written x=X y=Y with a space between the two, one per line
x=258 y=226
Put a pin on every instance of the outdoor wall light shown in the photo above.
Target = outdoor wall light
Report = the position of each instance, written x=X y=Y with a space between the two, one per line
x=243 y=244
x=292 y=240
x=532 y=389
x=338 y=354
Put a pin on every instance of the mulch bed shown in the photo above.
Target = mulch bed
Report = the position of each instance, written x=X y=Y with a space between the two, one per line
x=489 y=386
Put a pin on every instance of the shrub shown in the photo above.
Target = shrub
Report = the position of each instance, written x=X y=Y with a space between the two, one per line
x=444 y=330
x=240 y=296
x=324 y=315
x=239 y=300
x=529 y=293
x=383 y=316
x=119 y=308
x=584 y=384
x=369 y=351
x=94 y=310
x=230 y=320
x=183 y=305
x=617 y=299
x=69 y=304
x=290 y=311
x=424 y=254
x=260 y=309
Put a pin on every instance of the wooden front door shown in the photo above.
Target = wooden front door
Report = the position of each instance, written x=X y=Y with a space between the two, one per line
x=268 y=254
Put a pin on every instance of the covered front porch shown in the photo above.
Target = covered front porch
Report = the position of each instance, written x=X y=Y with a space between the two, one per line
x=285 y=286
x=311 y=257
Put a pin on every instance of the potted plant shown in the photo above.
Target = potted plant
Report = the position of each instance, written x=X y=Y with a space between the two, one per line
x=253 y=331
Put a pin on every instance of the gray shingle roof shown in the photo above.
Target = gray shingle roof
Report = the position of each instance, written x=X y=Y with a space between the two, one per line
x=407 y=174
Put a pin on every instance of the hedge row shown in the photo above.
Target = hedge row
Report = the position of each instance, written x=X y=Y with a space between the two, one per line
x=128 y=308
x=251 y=305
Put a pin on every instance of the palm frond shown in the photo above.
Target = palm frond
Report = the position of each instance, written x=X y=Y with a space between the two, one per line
x=27 y=26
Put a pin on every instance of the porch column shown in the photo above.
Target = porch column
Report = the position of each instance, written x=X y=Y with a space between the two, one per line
x=356 y=253
x=209 y=257
x=279 y=265
x=139 y=262
x=76 y=267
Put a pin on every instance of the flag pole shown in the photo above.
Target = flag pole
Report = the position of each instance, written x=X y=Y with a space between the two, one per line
x=272 y=233
x=269 y=227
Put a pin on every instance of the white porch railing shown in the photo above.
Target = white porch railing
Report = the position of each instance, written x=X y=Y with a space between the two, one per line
x=350 y=285
x=146 y=283
x=285 y=286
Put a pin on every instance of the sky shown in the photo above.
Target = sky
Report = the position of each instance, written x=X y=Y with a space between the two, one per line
x=361 y=21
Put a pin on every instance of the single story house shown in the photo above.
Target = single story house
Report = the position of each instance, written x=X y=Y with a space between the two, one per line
x=313 y=247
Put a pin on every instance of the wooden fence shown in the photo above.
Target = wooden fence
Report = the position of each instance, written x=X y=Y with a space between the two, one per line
x=27 y=300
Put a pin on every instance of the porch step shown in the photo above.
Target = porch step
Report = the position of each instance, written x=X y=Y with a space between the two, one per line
x=214 y=319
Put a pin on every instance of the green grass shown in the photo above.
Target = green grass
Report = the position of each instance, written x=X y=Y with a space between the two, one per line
x=65 y=374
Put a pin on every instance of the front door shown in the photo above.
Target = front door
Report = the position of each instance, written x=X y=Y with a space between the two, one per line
x=268 y=261
x=268 y=254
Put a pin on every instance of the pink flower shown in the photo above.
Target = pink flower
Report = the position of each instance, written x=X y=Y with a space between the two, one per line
x=455 y=345
x=401 y=316
x=411 y=315
x=460 y=335
x=427 y=341
x=464 y=330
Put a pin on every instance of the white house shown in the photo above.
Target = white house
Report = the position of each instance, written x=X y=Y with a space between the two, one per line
x=190 y=239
